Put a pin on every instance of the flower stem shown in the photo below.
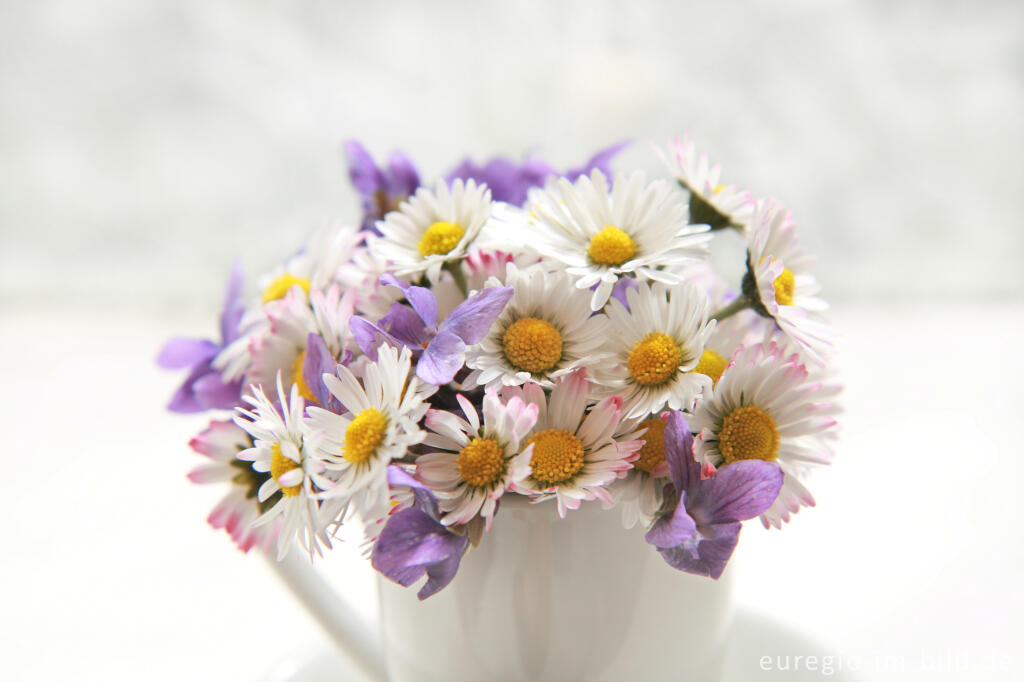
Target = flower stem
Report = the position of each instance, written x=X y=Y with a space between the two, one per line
x=455 y=267
x=741 y=303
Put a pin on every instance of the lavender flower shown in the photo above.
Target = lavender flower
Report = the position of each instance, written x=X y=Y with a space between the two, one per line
x=204 y=388
x=414 y=543
x=441 y=348
x=381 y=189
x=699 y=525
x=510 y=181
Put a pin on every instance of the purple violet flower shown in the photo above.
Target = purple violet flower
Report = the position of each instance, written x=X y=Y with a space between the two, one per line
x=204 y=388
x=441 y=348
x=510 y=181
x=414 y=543
x=381 y=189
x=699 y=524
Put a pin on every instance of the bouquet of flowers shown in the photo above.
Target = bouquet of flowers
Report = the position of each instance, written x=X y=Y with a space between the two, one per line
x=513 y=330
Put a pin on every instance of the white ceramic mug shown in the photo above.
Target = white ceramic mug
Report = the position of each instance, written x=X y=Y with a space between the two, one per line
x=541 y=598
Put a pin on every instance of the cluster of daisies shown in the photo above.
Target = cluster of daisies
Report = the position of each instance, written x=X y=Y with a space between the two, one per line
x=510 y=334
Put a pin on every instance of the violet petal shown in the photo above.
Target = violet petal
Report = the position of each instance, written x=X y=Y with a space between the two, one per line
x=362 y=171
x=737 y=492
x=679 y=452
x=319 y=361
x=369 y=337
x=670 y=531
x=424 y=303
x=404 y=324
x=213 y=394
x=708 y=558
x=601 y=161
x=472 y=319
x=442 y=359
x=181 y=353
x=234 y=305
x=401 y=178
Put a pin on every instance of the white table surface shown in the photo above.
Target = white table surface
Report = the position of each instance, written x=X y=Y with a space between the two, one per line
x=909 y=566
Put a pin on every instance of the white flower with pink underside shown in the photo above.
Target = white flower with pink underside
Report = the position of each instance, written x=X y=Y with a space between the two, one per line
x=572 y=452
x=221 y=442
x=471 y=472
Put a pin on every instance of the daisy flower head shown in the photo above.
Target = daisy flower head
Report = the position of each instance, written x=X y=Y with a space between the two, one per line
x=778 y=283
x=769 y=406
x=281 y=349
x=571 y=453
x=281 y=449
x=236 y=512
x=378 y=424
x=315 y=266
x=469 y=471
x=433 y=227
x=711 y=202
x=603 y=233
x=545 y=331
x=657 y=344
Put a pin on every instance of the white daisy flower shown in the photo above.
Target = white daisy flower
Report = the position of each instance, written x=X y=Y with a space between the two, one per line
x=711 y=202
x=656 y=345
x=220 y=443
x=778 y=285
x=433 y=227
x=769 y=406
x=601 y=233
x=640 y=494
x=315 y=267
x=545 y=331
x=280 y=350
x=573 y=453
x=295 y=468
x=380 y=425
x=471 y=475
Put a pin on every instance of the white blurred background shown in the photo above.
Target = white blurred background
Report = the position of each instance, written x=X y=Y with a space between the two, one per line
x=144 y=145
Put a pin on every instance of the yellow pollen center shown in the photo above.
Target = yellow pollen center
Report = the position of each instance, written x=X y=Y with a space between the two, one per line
x=711 y=364
x=440 y=238
x=300 y=380
x=557 y=456
x=282 y=285
x=611 y=246
x=363 y=435
x=654 y=359
x=281 y=465
x=785 y=285
x=481 y=463
x=748 y=433
x=532 y=345
x=653 y=452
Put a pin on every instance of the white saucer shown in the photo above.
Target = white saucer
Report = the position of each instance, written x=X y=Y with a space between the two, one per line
x=758 y=647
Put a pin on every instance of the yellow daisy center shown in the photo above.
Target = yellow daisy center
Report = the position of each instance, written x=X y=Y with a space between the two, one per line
x=281 y=465
x=440 y=238
x=611 y=246
x=711 y=364
x=653 y=452
x=282 y=285
x=654 y=359
x=748 y=433
x=532 y=345
x=557 y=456
x=785 y=285
x=481 y=463
x=363 y=435
x=300 y=380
